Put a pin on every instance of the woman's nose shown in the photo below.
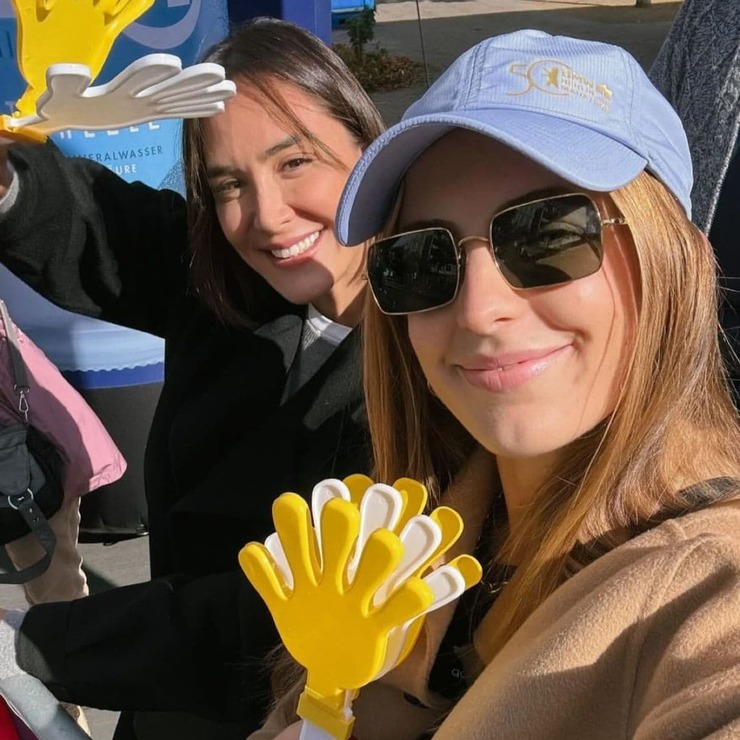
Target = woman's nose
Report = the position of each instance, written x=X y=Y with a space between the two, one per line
x=485 y=298
x=271 y=208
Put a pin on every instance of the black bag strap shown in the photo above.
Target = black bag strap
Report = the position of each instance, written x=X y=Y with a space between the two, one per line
x=24 y=502
x=39 y=526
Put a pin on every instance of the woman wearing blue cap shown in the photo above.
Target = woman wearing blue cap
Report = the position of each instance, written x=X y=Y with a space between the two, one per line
x=542 y=352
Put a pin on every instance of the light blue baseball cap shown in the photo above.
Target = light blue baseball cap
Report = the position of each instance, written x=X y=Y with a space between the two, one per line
x=583 y=109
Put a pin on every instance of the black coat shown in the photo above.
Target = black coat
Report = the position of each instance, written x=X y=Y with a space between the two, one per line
x=222 y=446
x=724 y=239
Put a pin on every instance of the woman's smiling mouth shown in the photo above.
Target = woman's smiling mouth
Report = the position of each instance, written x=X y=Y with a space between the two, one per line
x=509 y=372
x=298 y=248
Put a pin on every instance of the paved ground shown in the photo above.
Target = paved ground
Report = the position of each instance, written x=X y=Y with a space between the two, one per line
x=448 y=28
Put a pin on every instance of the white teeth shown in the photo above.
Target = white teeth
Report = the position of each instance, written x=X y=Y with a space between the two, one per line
x=297 y=248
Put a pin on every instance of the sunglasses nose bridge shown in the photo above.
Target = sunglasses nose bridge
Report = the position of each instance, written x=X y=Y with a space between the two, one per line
x=472 y=238
x=475 y=238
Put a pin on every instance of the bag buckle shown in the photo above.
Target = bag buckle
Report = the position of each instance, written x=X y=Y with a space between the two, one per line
x=22 y=400
x=15 y=502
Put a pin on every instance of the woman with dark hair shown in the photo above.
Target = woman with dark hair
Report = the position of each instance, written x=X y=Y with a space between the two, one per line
x=258 y=304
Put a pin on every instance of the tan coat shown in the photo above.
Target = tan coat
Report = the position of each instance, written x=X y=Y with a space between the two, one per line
x=644 y=643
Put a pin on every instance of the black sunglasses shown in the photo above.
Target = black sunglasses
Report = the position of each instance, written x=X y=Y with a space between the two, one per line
x=545 y=242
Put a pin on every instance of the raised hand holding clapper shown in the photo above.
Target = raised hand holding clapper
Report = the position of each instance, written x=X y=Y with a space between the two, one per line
x=349 y=591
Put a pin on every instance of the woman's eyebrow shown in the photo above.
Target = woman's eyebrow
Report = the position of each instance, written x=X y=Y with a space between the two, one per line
x=526 y=198
x=428 y=223
x=538 y=195
x=221 y=170
x=286 y=143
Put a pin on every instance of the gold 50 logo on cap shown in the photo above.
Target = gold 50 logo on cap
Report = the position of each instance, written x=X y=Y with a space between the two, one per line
x=554 y=77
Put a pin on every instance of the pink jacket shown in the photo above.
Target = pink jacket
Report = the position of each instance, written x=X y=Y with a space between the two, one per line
x=57 y=410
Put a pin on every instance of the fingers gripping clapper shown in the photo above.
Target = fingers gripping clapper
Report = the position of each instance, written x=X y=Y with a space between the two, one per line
x=348 y=584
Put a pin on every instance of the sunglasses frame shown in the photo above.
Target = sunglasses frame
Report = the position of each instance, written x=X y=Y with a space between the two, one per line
x=460 y=253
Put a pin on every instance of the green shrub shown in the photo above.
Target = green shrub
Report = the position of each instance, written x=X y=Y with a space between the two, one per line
x=378 y=70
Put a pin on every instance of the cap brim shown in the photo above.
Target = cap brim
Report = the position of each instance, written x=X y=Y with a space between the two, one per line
x=593 y=160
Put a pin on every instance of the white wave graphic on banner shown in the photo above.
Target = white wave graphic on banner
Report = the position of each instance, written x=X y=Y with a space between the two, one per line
x=165 y=37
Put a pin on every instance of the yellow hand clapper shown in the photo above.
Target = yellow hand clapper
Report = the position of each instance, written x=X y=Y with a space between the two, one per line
x=59 y=31
x=347 y=592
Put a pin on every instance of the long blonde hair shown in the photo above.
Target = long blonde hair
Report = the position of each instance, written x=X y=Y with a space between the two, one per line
x=674 y=424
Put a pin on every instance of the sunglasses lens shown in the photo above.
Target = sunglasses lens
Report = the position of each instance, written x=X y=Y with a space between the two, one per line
x=413 y=272
x=548 y=242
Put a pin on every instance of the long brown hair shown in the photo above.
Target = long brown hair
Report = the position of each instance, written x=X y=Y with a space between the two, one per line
x=674 y=424
x=255 y=55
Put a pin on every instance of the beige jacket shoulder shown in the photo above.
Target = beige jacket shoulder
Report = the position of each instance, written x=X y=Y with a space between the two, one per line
x=644 y=643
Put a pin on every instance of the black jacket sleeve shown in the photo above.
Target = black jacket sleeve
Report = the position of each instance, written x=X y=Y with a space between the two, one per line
x=93 y=243
x=172 y=644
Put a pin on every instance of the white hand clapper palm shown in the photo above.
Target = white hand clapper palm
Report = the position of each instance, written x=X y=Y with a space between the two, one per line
x=153 y=87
